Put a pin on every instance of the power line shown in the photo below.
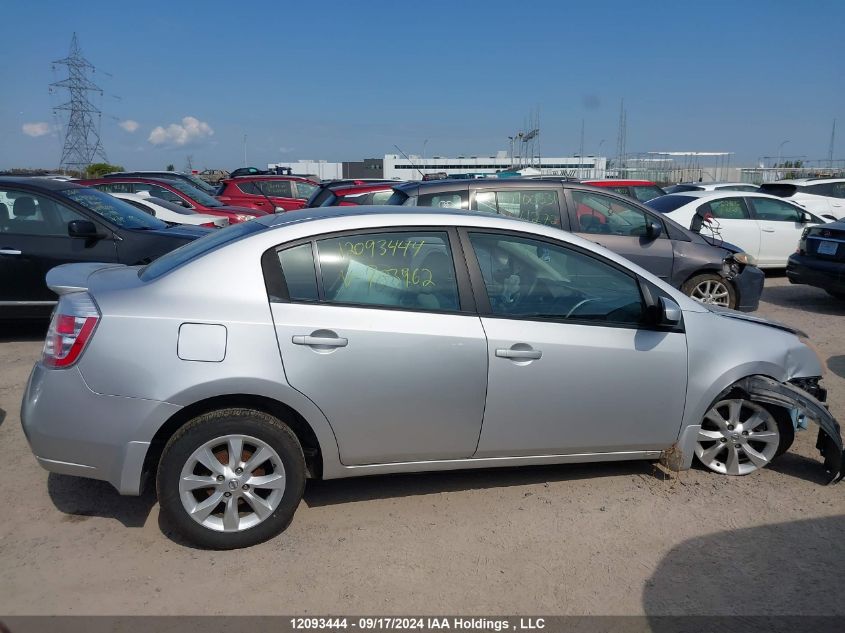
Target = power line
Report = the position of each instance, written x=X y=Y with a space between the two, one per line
x=82 y=129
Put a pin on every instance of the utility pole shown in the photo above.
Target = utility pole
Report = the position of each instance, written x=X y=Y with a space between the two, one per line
x=830 y=147
x=245 y=165
x=82 y=130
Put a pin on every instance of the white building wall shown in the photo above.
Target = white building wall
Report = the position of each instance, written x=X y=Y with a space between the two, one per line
x=412 y=168
x=324 y=169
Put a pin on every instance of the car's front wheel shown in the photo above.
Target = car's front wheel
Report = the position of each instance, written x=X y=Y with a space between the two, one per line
x=231 y=478
x=711 y=288
x=739 y=437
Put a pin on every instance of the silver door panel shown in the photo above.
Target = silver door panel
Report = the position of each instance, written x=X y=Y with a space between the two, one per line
x=593 y=389
x=404 y=386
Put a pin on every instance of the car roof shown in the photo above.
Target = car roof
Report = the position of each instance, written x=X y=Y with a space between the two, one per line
x=246 y=177
x=325 y=213
x=804 y=181
x=620 y=181
x=42 y=183
x=727 y=193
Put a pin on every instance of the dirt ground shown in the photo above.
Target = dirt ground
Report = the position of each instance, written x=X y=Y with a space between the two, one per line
x=579 y=539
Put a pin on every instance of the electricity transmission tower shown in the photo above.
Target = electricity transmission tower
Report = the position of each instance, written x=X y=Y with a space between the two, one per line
x=82 y=129
x=622 y=141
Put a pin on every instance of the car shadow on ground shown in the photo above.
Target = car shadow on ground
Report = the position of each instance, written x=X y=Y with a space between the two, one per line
x=836 y=364
x=13 y=331
x=774 y=570
x=80 y=499
x=337 y=491
x=2 y=416
x=804 y=298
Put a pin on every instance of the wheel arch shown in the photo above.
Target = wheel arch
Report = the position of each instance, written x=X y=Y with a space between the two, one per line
x=314 y=451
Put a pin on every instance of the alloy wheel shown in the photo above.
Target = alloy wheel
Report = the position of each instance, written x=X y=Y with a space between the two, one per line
x=737 y=437
x=232 y=483
x=712 y=291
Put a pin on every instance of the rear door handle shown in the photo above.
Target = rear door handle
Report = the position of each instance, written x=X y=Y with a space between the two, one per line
x=519 y=354
x=768 y=230
x=323 y=341
x=9 y=251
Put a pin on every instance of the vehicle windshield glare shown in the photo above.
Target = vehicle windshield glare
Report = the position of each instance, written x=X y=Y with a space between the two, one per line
x=195 y=194
x=113 y=209
x=668 y=203
x=170 y=206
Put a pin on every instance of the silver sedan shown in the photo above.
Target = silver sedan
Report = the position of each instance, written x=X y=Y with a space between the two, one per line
x=334 y=343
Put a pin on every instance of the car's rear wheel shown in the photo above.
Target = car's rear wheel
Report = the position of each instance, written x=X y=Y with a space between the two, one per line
x=231 y=478
x=711 y=288
x=837 y=294
x=739 y=437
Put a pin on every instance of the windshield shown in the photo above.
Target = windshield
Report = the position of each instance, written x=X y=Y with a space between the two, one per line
x=667 y=204
x=170 y=206
x=197 y=248
x=113 y=209
x=200 y=184
x=195 y=194
x=644 y=193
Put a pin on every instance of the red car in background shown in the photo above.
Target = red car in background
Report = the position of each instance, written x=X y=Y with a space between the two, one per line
x=345 y=193
x=266 y=192
x=642 y=190
x=175 y=191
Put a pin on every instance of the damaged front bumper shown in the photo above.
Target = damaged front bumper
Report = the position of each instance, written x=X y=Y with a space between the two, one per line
x=805 y=396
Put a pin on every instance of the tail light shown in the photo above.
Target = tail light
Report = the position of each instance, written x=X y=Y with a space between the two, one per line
x=210 y=225
x=71 y=328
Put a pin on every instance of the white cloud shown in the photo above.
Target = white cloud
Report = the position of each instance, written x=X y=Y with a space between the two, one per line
x=191 y=130
x=36 y=129
x=129 y=125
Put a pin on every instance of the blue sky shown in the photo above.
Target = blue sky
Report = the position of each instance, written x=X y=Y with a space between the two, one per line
x=347 y=80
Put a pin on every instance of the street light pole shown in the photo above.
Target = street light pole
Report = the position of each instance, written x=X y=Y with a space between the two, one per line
x=780 y=147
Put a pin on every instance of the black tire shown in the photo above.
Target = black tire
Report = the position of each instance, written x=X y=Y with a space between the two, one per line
x=785 y=427
x=836 y=294
x=693 y=282
x=206 y=428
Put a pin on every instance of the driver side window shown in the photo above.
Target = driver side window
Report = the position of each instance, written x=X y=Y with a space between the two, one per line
x=597 y=213
x=531 y=278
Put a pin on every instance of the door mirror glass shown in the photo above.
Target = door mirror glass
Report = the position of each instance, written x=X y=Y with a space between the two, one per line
x=83 y=228
x=806 y=217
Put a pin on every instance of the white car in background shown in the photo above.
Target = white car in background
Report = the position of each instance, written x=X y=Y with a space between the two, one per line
x=822 y=196
x=711 y=186
x=169 y=212
x=766 y=227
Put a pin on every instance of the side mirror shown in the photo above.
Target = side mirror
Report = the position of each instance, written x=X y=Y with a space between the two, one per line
x=805 y=217
x=83 y=229
x=653 y=229
x=671 y=312
x=661 y=311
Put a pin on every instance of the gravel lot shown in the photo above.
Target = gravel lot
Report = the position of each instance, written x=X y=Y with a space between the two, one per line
x=580 y=539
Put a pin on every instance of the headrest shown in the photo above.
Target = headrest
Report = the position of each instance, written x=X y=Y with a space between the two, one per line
x=24 y=207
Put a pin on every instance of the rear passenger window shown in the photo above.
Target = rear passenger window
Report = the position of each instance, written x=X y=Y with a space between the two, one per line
x=540 y=206
x=725 y=209
x=298 y=268
x=447 y=200
x=411 y=270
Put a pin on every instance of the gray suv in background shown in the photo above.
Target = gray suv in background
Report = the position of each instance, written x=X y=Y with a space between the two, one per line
x=708 y=271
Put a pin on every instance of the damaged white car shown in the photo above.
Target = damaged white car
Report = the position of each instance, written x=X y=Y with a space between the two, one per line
x=343 y=342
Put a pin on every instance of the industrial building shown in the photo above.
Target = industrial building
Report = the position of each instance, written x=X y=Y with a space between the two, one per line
x=416 y=167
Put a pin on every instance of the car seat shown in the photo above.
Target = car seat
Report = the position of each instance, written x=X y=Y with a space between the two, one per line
x=440 y=295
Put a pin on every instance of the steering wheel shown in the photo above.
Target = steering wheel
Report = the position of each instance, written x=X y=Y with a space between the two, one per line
x=578 y=305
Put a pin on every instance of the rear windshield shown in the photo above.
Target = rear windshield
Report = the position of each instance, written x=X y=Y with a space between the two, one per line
x=644 y=193
x=667 y=204
x=319 y=197
x=198 y=248
x=398 y=198
x=778 y=189
x=680 y=188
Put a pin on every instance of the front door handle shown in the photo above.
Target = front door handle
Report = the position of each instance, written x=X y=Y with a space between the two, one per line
x=519 y=354
x=9 y=251
x=322 y=341
x=767 y=230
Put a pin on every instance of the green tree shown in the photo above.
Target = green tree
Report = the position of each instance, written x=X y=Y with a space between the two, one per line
x=171 y=167
x=96 y=170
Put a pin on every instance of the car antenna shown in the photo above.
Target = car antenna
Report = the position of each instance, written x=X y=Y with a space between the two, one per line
x=409 y=160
